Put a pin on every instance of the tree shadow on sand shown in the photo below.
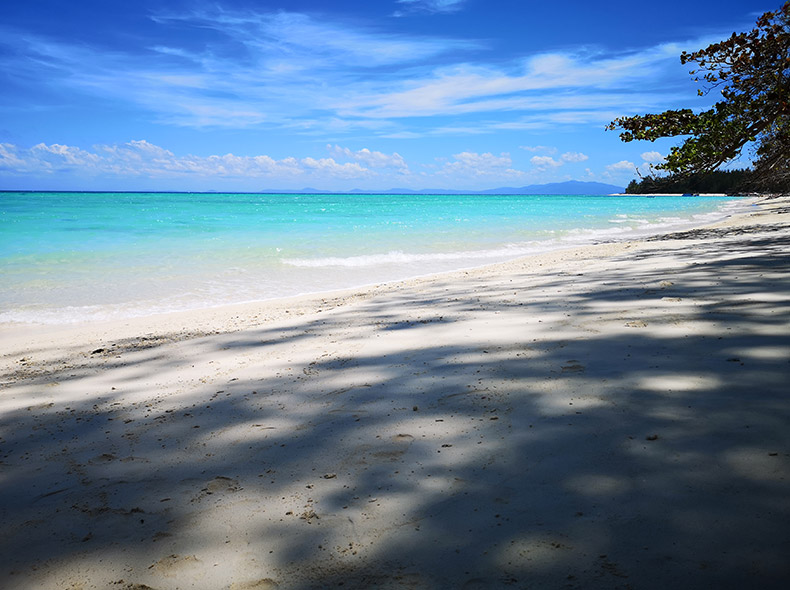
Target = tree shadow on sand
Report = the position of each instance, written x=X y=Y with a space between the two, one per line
x=422 y=452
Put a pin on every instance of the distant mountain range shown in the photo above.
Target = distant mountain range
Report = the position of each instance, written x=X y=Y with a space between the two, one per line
x=571 y=187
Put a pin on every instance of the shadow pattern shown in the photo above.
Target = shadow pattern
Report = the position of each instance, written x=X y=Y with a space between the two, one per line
x=632 y=432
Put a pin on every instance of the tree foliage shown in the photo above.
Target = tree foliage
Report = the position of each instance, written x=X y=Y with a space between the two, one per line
x=730 y=182
x=752 y=72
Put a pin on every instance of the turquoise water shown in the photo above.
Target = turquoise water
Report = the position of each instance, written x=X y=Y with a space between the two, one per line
x=68 y=257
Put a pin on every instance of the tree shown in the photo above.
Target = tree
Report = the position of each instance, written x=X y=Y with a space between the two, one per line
x=718 y=181
x=752 y=72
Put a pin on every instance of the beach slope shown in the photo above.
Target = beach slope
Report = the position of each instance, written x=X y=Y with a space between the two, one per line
x=614 y=416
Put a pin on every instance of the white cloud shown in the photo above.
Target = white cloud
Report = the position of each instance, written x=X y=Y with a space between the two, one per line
x=9 y=160
x=54 y=157
x=621 y=166
x=545 y=162
x=472 y=164
x=574 y=157
x=487 y=160
x=370 y=158
x=652 y=157
x=144 y=159
x=343 y=168
x=329 y=167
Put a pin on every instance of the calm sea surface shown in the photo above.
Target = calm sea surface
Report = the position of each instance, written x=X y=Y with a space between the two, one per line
x=69 y=257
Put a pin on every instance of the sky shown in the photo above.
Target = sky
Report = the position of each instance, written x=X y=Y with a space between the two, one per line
x=243 y=95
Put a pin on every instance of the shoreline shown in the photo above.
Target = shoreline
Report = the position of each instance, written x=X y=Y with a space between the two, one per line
x=310 y=299
x=92 y=293
x=604 y=416
x=176 y=326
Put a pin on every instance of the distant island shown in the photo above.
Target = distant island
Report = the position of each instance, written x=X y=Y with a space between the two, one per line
x=571 y=187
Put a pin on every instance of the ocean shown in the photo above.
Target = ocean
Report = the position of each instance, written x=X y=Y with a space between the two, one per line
x=74 y=257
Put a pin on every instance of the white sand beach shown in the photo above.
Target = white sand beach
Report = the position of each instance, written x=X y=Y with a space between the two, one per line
x=614 y=416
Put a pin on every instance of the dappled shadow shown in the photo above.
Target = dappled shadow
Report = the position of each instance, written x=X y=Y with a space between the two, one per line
x=719 y=232
x=631 y=432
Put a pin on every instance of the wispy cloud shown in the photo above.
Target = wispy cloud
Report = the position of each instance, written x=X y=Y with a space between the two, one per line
x=547 y=82
x=472 y=165
x=280 y=69
x=322 y=76
x=288 y=42
x=543 y=163
x=434 y=6
x=539 y=148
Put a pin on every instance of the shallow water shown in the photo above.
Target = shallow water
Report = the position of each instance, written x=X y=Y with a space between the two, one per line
x=67 y=257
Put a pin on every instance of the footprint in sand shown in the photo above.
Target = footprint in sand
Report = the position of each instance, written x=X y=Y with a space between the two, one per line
x=402 y=438
x=218 y=485
x=222 y=484
x=573 y=366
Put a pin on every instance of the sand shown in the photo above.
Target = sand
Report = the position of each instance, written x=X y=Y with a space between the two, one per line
x=615 y=416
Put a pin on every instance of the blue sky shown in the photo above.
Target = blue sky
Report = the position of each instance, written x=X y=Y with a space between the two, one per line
x=245 y=96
